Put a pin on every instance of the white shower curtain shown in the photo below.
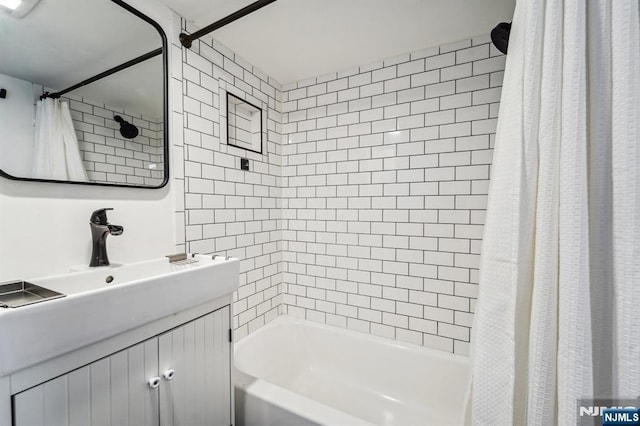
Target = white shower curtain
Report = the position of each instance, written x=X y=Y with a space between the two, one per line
x=558 y=315
x=56 y=153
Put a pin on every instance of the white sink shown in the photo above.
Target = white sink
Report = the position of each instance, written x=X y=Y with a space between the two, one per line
x=97 y=307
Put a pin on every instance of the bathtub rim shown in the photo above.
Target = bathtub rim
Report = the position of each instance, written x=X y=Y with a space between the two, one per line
x=287 y=319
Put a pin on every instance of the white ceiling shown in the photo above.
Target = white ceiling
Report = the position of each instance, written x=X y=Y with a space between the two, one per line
x=62 y=42
x=292 y=40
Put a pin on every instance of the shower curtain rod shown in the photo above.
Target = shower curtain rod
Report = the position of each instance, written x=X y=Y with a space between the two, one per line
x=104 y=74
x=187 y=39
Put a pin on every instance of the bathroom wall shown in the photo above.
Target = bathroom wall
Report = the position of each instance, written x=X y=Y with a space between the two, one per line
x=220 y=208
x=385 y=175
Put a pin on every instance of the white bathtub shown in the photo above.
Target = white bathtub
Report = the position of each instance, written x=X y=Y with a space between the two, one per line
x=295 y=372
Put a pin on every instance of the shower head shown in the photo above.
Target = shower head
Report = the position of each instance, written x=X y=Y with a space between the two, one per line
x=127 y=130
x=500 y=36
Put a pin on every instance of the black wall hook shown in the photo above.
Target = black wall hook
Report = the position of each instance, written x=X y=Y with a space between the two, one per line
x=500 y=36
x=3 y=93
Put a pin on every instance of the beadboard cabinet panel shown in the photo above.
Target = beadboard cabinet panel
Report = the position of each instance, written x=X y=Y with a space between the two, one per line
x=199 y=355
x=112 y=391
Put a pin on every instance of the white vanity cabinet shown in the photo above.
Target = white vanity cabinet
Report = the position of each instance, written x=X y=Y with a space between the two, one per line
x=181 y=376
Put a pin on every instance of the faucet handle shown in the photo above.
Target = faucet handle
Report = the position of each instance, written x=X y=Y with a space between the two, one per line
x=99 y=217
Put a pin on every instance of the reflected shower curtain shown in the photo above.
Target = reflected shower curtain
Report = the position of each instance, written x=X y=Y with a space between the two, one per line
x=56 y=154
x=558 y=316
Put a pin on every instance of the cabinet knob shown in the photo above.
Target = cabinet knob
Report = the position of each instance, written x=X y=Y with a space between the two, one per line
x=154 y=382
x=168 y=374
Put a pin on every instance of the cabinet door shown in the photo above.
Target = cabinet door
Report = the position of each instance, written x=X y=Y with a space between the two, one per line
x=199 y=354
x=111 y=392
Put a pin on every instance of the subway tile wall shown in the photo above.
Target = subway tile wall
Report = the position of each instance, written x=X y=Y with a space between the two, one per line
x=221 y=209
x=385 y=177
x=107 y=156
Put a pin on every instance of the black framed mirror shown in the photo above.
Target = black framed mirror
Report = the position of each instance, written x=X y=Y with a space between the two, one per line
x=83 y=95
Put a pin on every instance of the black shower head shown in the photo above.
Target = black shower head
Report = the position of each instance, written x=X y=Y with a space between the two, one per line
x=500 y=36
x=127 y=130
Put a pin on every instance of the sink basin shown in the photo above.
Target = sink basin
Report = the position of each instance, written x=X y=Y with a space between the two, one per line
x=103 y=302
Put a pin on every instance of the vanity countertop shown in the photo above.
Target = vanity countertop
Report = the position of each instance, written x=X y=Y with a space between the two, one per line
x=103 y=302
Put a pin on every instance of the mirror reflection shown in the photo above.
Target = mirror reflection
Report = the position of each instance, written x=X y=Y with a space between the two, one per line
x=84 y=95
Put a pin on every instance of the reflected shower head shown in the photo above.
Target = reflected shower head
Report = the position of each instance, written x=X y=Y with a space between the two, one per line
x=127 y=130
x=500 y=36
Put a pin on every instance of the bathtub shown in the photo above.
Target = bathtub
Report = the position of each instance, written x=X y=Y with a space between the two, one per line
x=295 y=372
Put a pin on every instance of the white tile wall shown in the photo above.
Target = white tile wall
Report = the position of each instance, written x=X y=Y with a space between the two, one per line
x=220 y=208
x=369 y=200
x=110 y=158
x=384 y=186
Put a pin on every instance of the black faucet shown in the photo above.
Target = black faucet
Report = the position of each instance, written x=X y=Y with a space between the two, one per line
x=100 y=229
